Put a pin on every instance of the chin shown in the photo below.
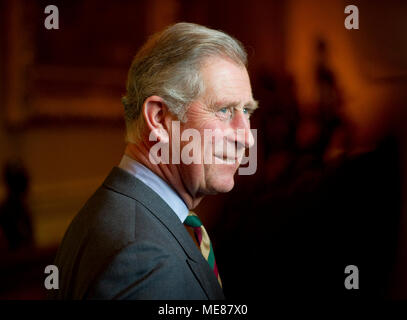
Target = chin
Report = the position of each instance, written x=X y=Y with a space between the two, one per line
x=222 y=184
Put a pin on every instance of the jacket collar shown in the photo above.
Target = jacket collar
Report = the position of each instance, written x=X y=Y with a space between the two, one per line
x=123 y=182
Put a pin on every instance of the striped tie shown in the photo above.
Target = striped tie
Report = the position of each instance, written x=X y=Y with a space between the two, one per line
x=204 y=242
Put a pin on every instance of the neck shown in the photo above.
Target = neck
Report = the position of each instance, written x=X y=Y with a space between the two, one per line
x=168 y=172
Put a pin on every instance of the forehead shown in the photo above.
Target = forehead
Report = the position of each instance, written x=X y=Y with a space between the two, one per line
x=225 y=80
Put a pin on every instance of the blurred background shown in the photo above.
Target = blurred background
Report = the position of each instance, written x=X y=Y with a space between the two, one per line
x=330 y=188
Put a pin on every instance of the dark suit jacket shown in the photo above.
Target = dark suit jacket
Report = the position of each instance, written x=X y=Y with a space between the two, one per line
x=127 y=243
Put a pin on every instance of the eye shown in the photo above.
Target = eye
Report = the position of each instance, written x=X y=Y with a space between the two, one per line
x=224 y=113
x=248 y=112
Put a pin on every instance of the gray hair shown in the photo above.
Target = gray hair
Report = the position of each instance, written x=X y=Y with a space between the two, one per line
x=168 y=65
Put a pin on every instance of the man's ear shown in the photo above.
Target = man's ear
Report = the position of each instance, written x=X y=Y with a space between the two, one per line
x=155 y=111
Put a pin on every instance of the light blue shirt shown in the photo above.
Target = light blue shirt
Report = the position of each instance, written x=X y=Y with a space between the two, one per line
x=157 y=184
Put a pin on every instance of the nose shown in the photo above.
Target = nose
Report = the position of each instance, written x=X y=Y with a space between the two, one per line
x=241 y=126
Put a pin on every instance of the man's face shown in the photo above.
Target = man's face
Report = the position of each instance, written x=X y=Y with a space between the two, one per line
x=223 y=111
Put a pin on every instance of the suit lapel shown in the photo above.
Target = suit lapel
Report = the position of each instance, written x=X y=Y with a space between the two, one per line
x=206 y=279
x=123 y=182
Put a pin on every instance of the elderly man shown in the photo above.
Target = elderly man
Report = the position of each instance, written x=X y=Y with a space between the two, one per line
x=130 y=240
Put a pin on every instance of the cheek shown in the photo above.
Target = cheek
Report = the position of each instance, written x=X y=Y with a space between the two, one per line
x=211 y=135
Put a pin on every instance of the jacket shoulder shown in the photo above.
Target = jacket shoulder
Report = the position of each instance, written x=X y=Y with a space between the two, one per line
x=108 y=222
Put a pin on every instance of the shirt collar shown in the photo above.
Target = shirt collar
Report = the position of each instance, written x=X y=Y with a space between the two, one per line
x=157 y=184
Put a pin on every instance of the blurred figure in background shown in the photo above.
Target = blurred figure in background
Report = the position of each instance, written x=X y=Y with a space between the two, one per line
x=15 y=217
x=334 y=137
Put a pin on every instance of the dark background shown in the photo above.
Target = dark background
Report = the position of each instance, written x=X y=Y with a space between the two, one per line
x=329 y=190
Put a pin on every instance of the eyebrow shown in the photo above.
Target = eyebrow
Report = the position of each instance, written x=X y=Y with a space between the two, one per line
x=252 y=105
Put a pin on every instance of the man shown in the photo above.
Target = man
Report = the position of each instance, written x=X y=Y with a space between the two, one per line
x=129 y=240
